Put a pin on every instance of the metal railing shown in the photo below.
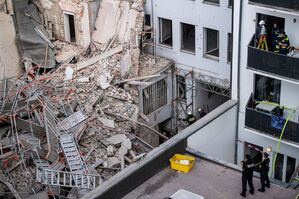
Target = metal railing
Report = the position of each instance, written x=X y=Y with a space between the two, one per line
x=273 y=63
x=261 y=122
x=286 y=4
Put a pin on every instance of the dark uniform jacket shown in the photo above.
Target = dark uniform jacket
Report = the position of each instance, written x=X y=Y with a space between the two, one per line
x=248 y=168
x=265 y=165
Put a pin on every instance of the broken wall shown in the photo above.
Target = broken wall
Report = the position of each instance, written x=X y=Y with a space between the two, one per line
x=55 y=20
x=9 y=56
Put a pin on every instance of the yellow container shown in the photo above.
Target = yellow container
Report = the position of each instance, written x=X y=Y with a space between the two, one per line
x=178 y=162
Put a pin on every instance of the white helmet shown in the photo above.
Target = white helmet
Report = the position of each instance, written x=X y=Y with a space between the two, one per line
x=189 y=112
x=262 y=22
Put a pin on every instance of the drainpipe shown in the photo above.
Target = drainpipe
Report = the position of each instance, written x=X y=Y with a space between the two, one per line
x=238 y=77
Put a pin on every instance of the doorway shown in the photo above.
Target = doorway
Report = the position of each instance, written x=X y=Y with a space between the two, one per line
x=269 y=23
x=284 y=167
x=255 y=152
x=69 y=27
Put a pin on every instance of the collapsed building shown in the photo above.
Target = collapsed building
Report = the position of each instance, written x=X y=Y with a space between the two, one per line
x=87 y=101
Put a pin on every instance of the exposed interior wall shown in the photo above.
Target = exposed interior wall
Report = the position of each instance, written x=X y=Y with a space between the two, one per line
x=217 y=139
x=9 y=55
x=56 y=23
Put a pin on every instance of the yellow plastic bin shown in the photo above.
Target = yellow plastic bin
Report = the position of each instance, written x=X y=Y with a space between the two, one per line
x=182 y=163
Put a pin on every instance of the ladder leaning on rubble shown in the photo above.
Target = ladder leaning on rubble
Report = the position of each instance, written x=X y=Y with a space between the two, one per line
x=294 y=181
x=68 y=179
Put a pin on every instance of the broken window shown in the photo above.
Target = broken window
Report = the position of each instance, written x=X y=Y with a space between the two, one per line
x=165 y=31
x=212 y=1
x=69 y=27
x=154 y=96
x=147 y=26
x=182 y=88
x=188 y=37
x=229 y=48
x=211 y=40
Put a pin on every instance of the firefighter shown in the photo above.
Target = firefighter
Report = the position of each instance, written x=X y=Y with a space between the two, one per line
x=201 y=113
x=191 y=118
x=247 y=175
x=284 y=44
x=275 y=38
x=264 y=166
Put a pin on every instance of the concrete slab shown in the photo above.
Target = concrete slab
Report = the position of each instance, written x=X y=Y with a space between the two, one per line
x=206 y=179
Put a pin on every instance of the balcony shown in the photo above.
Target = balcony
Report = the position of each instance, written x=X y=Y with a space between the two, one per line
x=280 y=4
x=276 y=64
x=262 y=122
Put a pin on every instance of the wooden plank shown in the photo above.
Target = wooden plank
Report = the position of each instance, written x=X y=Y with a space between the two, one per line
x=97 y=58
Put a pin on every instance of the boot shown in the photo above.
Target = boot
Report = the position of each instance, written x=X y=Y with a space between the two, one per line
x=243 y=195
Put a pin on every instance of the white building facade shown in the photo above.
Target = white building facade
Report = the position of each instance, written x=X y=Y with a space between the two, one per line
x=196 y=35
x=263 y=81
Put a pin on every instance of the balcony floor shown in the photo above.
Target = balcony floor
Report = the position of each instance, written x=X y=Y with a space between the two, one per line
x=206 y=179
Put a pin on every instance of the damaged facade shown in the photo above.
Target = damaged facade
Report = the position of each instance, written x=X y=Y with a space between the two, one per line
x=87 y=102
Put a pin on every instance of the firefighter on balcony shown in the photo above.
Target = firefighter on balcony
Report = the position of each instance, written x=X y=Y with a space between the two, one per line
x=284 y=44
x=275 y=38
x=190 y=118
x=261 y=36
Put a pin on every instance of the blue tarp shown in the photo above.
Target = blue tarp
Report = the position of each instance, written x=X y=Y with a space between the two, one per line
x=277 y=122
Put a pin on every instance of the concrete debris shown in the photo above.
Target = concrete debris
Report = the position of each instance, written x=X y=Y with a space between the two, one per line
x=85 y=110
x=117 y=139
x=69 y=71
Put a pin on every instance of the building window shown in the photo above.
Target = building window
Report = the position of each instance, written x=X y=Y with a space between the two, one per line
x=147 y=26
x=188 y=37
x=229 y=48
x=181 y=87
x=267 y=88
x=69 y=27
x=212 y=1
x=165 y=31
x=211 y=42
x=154 y=96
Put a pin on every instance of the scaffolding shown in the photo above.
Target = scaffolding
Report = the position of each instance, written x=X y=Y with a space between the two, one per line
x=189 y=82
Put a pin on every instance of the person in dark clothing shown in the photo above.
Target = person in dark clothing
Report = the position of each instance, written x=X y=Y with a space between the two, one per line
x=284 y=43
x=264 y=166
x=247 y=175
x=201 y=113
x=190 y=118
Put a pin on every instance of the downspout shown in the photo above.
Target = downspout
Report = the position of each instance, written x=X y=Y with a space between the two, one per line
x=238 y=78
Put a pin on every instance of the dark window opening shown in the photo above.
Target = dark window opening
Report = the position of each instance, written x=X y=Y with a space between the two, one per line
x=182 y=87
x=212 y=1
x=278 y=172
x=69 y=28
x=165 y=31
x=147 y=26
x=188 y=37
x=211 y=42
x=267 y=88
x=229 y=48
x=291 y=164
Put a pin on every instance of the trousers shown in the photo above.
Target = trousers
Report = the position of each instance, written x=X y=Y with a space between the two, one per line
x=245 y=180
x=264 y=179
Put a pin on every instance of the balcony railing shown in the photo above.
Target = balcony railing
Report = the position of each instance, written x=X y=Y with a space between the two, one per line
x=262 y=122
x=273 y=63
x=285 y=4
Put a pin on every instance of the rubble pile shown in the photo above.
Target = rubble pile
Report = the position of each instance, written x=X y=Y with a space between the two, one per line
x=66 y=131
